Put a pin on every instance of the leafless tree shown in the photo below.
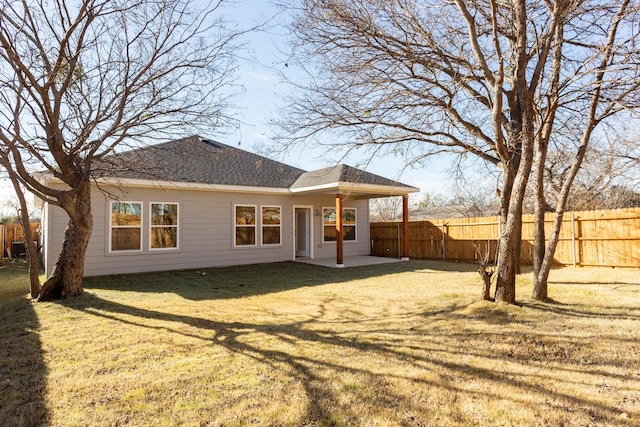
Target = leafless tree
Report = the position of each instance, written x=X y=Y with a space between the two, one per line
x=79 y=79
x=593 y=83
x=475 y=197
x=628 y=149
x=385 y=209
x=606 y=180
x=447 y=76
x=481 y=78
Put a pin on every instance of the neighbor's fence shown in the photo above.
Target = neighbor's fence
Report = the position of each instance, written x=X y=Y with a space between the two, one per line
x=12 y=239
x=607 y=238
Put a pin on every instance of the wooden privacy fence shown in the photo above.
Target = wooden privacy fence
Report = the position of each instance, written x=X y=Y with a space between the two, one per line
x=607 y=238
x=12 y=239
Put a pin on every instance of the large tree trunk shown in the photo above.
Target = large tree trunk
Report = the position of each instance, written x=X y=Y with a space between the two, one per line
x=517 y=255
x=506 y=278
x=505 y=284
x=66 y=280
x=539 y=239
x=509 y=247
x=541 y=273
x=521 y=135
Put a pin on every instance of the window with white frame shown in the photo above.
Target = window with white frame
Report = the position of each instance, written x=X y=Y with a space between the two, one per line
x=164 y=226
x=271 y=221
x=348 y=224
x=125 y=226
x=245 y=225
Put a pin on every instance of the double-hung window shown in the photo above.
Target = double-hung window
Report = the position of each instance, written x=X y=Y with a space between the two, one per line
x=349 y=224
x=271 y=220
x=245 y=225
x=329 y=224
x=164 y=226
x=125 y=226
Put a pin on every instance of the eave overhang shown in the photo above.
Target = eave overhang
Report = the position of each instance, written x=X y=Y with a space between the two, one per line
x=349 y=189
x=356 y=190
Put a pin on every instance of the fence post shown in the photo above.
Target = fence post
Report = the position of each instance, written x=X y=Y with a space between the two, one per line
x=573 y=237
x=444 y=257
x=578 y=237
x=398 y=240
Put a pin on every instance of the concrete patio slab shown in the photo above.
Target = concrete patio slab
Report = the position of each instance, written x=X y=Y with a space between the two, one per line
x=351 y=261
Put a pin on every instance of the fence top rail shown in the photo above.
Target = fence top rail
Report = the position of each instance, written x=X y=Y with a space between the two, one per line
x=599 y=215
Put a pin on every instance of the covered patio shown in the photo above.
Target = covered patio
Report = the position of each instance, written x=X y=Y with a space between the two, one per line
x=347 y=182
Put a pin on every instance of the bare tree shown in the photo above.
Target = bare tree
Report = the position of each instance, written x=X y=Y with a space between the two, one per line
x=385 y=209
x=480 y=78
x=605 y=181
x=475 y=198
x=593 y=81
x=456 y=77
x=79 y=79
x=628 y=149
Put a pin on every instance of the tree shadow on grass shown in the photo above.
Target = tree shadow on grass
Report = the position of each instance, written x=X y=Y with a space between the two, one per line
x=260 y=279
x=22 y=368
x=580 y=310
x=321 y=399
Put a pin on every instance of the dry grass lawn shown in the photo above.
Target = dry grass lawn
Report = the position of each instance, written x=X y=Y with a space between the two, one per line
x=288 y=344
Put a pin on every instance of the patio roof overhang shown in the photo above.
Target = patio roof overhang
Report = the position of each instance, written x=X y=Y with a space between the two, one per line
x=356 y=190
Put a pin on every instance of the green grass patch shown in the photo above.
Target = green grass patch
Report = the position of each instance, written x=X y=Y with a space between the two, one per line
x=295 y=344
x=14 y=281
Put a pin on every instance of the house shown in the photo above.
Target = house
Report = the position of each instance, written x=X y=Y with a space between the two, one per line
x=194 y=203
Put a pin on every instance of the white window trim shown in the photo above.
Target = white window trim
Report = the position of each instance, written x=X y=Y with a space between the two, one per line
x=354 y=225
x=111 y=227
x=235 y=226
x=151 y=226
x=262 y=226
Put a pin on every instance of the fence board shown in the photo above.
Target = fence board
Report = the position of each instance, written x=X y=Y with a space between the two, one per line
x=607 y=238
x=13 y=233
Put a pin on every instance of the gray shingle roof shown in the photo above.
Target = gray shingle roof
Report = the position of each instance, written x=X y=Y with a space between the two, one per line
x=342 y=173
x=198 y=160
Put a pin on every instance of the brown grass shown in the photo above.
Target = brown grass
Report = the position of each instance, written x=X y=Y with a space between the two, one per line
x=13 y=279
x=293 y=344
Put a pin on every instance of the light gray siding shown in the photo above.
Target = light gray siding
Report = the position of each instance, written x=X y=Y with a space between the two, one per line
x=328 y=249
x=205 y=233
x=53 y=228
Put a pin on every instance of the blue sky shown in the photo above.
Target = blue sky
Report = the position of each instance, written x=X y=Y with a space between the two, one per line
x=260 y=67
x=261 y=75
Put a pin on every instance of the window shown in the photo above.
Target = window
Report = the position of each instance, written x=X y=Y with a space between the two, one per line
x=126 y=226
x=164 y=226
x=348 y=224
x=270 y=225
x=245 y=225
